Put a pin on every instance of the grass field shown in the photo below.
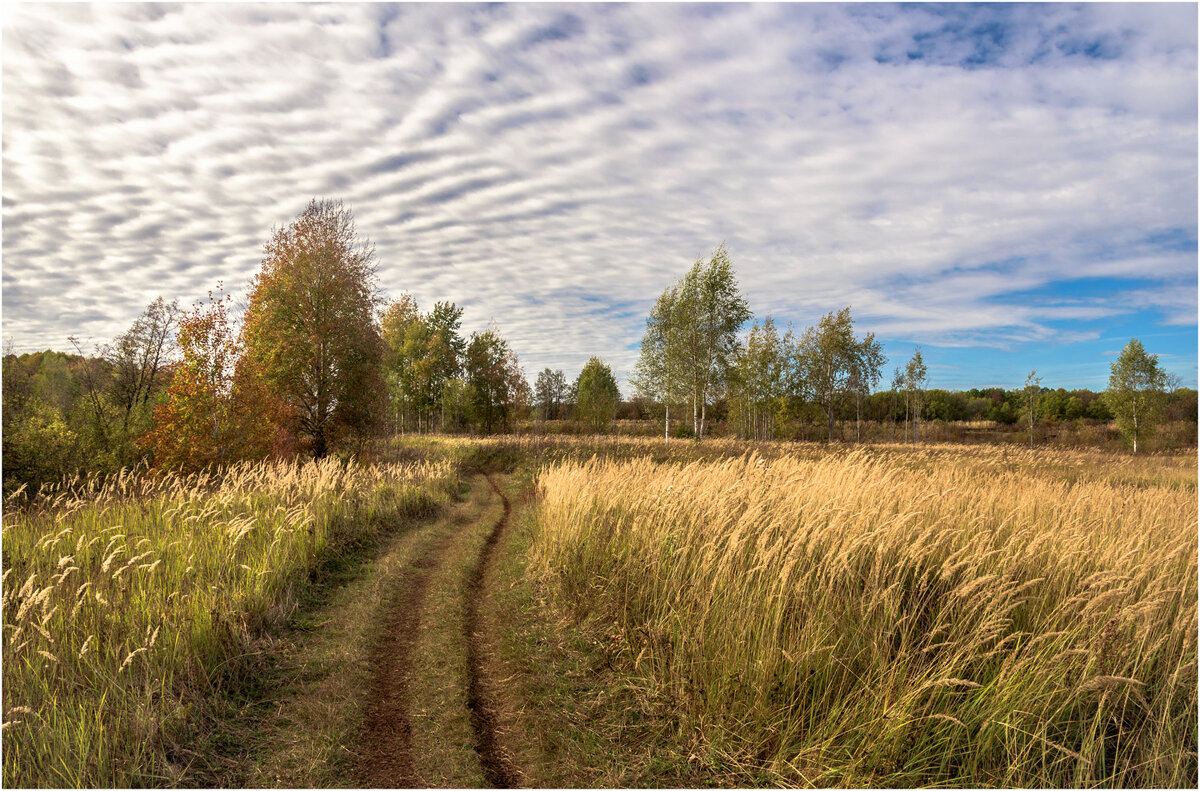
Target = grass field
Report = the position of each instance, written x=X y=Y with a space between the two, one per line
x=659 y=614
x=128 y=606
x=898 y=616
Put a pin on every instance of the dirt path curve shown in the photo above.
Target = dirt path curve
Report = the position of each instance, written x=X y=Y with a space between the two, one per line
x=388 y=752
x=497 y=768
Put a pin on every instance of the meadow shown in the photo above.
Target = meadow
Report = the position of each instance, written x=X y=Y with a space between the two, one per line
x=897 y=616
x=798 y=614
x=131 y=603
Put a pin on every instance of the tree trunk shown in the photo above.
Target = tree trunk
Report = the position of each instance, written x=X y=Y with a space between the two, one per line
x=703 y=408
x=666 y=422
x=858 y=418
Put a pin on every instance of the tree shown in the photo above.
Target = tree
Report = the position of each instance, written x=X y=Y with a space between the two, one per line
x=865 y=375
x=399 y=316
x=708 y=312
x=598 y=395
x=759 y=380
x=1135 y=392
x=830 y=358
x=456 y=404
x=445 y=348
x=422 y=353
x=498 y=392
x=548 y=393
x=1033 y=389
x=139 y=356
x=517 y=394
x=897 y=387
x=915 y=381
x=119 y=383
x=310 y=326
x=211 y=415
x=658 y=374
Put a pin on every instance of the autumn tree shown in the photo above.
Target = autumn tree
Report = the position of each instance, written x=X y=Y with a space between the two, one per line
x=597 y=395
x=310 y=325
x=210 y=415
x=1135 y=393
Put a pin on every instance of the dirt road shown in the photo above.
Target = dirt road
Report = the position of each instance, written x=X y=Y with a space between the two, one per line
x=421 y=683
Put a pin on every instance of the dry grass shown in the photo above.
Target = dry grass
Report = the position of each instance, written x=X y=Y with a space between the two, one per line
x=896 y=616
x=130 y=601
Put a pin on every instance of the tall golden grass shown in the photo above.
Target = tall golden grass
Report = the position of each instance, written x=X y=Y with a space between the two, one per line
x=128 y=600
x=900 y=617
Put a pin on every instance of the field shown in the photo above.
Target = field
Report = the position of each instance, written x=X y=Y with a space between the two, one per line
x=571 y=611
x=127 y=605
x=911 y=618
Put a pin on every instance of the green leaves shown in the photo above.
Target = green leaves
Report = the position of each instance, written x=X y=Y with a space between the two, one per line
x=1135 y=392
x=597 y=395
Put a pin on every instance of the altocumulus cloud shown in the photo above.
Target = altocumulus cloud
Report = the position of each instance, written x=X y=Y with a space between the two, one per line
x=948 y=171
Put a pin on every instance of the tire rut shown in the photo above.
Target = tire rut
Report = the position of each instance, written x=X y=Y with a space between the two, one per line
x=387 y=738
x=497 y=769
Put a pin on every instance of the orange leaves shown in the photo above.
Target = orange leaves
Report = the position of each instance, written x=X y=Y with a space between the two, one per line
x=217 y=408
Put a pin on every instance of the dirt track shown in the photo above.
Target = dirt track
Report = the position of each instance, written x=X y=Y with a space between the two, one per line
x=497 y=769
x=388 y=756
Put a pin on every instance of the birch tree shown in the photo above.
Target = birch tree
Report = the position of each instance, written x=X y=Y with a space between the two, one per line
x=709 y=312
x=915 y=382
x=759 y=380
x=835 y=364
x=865 y=375
x=1033 y=388
x=1135 y=392
x=657 y=375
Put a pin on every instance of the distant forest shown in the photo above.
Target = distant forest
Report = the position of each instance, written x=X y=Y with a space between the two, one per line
x=320 y=363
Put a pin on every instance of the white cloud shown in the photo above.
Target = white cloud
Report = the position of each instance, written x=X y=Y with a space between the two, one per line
x=555 y=167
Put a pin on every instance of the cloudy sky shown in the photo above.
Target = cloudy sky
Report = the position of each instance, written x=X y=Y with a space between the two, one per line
x=1008 y=186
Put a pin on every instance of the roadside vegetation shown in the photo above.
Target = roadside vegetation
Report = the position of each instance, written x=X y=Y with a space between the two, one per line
x=130 y=602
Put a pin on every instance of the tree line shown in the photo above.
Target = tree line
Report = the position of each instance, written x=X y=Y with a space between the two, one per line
x=767 y=381
x=692 y=356
x=320 y=362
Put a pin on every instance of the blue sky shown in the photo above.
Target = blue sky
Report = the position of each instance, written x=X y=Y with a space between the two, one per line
x=1008 y=186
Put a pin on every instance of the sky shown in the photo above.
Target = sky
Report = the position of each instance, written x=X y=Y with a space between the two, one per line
x=1009 y=187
